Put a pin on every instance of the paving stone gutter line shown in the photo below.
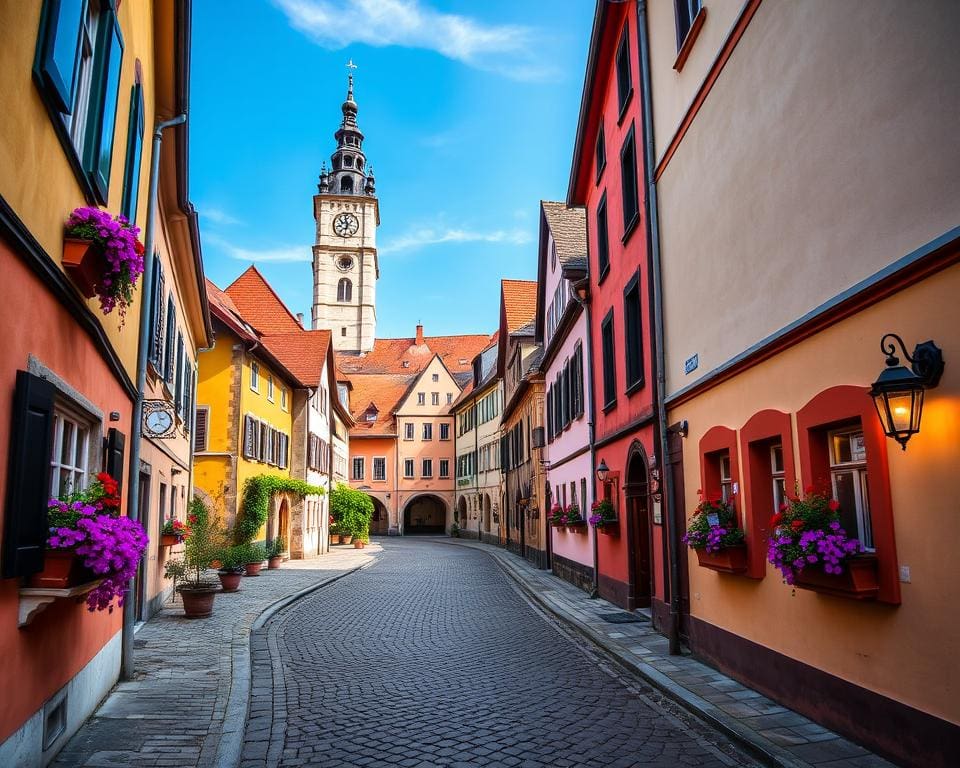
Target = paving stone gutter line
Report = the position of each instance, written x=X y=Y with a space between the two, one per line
x=762 y=748
x=235 y=718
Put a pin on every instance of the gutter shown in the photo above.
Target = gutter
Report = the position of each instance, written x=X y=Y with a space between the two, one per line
x=660 y=382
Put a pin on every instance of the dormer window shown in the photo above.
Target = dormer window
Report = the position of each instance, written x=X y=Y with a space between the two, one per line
x=346 y=184
x=370 y=415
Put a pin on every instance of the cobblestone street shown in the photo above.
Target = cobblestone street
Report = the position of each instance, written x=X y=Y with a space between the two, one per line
x=431 y=657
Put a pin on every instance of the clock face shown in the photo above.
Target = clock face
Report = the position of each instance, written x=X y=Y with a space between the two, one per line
x=158 y=422
x=345 y=224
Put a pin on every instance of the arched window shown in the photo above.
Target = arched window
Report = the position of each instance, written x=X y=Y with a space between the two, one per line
x=346 y=184
x=344 y=290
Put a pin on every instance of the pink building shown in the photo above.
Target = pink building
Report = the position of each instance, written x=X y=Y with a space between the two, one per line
x=561 y=327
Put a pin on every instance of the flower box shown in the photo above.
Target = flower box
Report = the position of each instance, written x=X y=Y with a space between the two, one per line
x=169 y=540
x=84 y=262
x=858 y=580
x=731 y=559
x=578 y=527
x=62 y=568
x=609 y=528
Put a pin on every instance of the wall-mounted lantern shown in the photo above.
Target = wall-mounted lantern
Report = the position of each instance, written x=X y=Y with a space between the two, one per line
x=898 y=391
x=602 y=470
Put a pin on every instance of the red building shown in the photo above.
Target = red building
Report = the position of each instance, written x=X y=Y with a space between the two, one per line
x=606 y=178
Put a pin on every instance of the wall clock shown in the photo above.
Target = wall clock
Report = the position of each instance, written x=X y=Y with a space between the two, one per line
x=158 y=420
x=345 y=224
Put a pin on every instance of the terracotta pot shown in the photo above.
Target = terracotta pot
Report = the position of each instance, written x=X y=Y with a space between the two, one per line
x=578 y=527
x=358 y=544
x=273 y=563
x=611 y=528
x=85 y=263
x=230 y=580
x=346 y=539
x=169 y=540
x=334 y=538
x=727 y=560
x=198 y=601
x=62 y=568
x=253 y=569
x=858 y=580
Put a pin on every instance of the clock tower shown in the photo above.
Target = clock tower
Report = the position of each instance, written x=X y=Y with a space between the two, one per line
x=345 y=266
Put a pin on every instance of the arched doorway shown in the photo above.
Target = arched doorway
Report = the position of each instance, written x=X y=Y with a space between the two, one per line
x=380 y=521
x=462 y=512
x=638 y=516
x=425 y=514
x=283 y=523
x=486 y=513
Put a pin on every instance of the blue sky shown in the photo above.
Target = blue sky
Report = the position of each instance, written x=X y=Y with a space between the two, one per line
x=469 y=111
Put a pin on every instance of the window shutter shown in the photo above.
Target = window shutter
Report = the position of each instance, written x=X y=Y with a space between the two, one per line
x=200 y=430
x=180 y=376
x=249 y=439
x=113 y=465
x=105 y=94
x=58 y=51
x=28 y=476
x=131 y=173
x=156 y=338
x=171 y=346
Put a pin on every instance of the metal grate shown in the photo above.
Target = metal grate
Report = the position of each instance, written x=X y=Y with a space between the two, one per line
x=622 y=617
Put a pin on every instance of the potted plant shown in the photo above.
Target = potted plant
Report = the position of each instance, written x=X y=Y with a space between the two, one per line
x=173 y=532
x=334 y=531
x=811 y=549
x=604 y=517
x=231 y=557
x=90 y=541
x=104 y=257
x=254 y=554
x=558 y=518
x=201 y=547
x=275 y=550
x=714 y=535
x=573 y=518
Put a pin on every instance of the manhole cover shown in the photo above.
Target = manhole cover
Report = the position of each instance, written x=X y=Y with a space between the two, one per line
x=622 y=617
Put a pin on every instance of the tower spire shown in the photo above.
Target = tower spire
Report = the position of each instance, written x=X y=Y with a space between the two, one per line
x=348 y=174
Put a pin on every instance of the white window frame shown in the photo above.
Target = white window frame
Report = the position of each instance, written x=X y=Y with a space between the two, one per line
x=449 y=398
x=435 y=377
x=778 y=476
x=413 y=468
x=270 y=387
x=726 y=479
x=79 y=473
x=283 y=398
x=409 y=431
x=427 y=433
x=255 y=376
x=434 y=398
x=382 y=459
x=76 y=122
x=444 y=475
x=857 y=468
x=423 y=468
x=444 y=426
x=358 y=461
x=421 y=398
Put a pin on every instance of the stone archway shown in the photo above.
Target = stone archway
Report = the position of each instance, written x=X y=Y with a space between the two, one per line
x=425 y=514
x=380 y=521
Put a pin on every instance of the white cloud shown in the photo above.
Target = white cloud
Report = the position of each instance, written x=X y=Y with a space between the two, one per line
x=509 y=49
x=217 y=215
x=418 y=238
x=279 y=254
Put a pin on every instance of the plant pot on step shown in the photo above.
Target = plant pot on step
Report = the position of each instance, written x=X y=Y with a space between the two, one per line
x=197 y=600
x=334 y=538
x=273 y=563
x=84 y=262
x=230 y=580
x=253 y=569
x=357 y=544
x=346 y=539
x=62 y=568
x=732 y=559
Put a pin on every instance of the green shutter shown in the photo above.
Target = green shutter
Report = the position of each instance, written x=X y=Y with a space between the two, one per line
x=58 y=45
x=131 y=174
x=103 y=102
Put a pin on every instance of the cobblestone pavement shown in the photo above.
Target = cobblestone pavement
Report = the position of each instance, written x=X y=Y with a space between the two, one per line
x=185 y=708
x=431 y=657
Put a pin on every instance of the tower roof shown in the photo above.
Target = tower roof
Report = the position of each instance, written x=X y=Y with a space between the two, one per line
x=349 y=174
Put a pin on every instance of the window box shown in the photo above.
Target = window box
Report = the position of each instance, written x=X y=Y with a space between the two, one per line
x=84 y=262
x=62 y=568
x=858 y=580
x=170 y=540
x=726 y=560
x=580 y=526
x=610 y=528
x=35 y=599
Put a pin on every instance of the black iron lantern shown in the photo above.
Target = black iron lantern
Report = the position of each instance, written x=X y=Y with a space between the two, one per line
x=898 y=391
x=602 y=470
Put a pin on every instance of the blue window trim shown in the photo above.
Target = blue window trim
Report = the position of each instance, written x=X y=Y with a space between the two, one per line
x=134 y=157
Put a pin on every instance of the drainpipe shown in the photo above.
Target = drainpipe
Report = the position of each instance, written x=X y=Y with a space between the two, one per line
x=653 y=250
x=146 y=300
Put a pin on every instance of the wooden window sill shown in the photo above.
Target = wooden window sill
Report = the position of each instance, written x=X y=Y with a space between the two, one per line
x=684 y=53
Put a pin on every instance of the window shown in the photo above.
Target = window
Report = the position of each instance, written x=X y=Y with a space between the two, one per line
x=283 y=398
x=162 y=502
x=444 y=468
x=421 y=398
x=624 y=81
x=687 y=11
x=379 y=468
x=343 y=330
x=428 y=431
x=358 y=467
x=778 y=476
x=434 y=398
x=435 y=377
x=449 y=398
x=609 y=371
x=444 y=431
x=408 y=430
x=726 y=478
x=408 y=468
x=270 y=387
x=601 y=151
x=77 y=70
x=131 y=174
x=848 y=477
x=71 y=454
x=171 y=349
x=157 y=337
x=178 y=397
x=255 y=377
x=346 y=185
x=628 y=182
x=201 y=429
x=633 y=329
x=603 y=245
x=427 y=469
x=344 y=293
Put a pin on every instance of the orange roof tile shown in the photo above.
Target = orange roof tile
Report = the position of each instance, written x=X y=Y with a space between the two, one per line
x=384 y=392
x=519 y=301
x=260 y=305
x=302 y=353
x=405 y=356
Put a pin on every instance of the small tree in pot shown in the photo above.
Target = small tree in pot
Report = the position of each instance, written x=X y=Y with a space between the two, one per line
x=275 y=551
x=232 y=560
x=201 y=548
x=254 y=554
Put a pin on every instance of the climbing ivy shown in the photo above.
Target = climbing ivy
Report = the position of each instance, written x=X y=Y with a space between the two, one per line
x=255 y=502
x=352 y=510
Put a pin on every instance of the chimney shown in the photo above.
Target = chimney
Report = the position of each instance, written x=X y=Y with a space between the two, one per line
x=300 y=318
x=419 y=334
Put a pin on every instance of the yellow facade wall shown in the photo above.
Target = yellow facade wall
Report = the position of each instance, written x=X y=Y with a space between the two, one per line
x=906 y=652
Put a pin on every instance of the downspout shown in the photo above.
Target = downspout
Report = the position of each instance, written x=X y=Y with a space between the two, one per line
x=653 y=250
x=476 y=459
x=146 y=302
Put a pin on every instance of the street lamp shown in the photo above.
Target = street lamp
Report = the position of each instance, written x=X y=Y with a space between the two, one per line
x=602 y=470
x=898 y=391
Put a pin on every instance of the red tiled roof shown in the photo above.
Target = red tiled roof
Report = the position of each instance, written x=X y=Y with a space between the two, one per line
x=520 y=302
x=260 y=305
x=302 y=353
x=405 y=356
x=382 y=391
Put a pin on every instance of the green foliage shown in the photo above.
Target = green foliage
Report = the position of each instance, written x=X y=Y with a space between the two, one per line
x=276 y=547
x=255 y=502
x=232 y=557
x=454 y=530
x=252 y=552
x=202 y=546
x=352 y=511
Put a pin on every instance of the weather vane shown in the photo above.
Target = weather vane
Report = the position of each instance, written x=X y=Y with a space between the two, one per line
x=351 y=66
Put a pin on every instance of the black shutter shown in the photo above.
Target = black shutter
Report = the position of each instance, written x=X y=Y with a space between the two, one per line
x=168 y=369
x=113 y=465
x=156 y=339
x=28 y=476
